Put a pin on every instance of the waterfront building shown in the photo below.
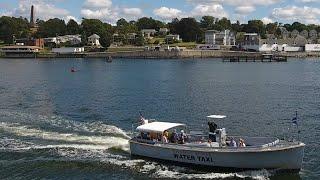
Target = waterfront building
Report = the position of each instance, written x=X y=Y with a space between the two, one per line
x=313 y=34
x=294 y=33
x=304 y=34
x=148 y=33
x=30 y=42
x=312 y=48
x=300 y=41
x=94 y=40
x=19 y=50
x=251 y=41
x=172 y=38
x=117 y=39
x=284 y=33
x=163 y=31
x=72 y=39
x=131 y=37
x=68 y=50
x=51 y=42
x=225 y=38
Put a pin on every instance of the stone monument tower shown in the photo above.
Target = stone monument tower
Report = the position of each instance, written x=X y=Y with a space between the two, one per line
x=32 y=17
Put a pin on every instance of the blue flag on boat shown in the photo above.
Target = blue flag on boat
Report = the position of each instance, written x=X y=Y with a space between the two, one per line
x=294 y=121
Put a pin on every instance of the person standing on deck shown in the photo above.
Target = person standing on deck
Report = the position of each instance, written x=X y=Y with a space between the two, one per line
x=212 y=131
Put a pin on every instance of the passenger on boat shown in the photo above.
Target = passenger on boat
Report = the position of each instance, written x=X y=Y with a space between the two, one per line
x=142 y=120
x=233 y=143
x=174 y=136
x=164 y=137
x=212 y=131
x=241 y=143
x=182 y=137
x=145 y=135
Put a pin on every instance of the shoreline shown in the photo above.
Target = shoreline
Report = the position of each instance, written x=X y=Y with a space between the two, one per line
x=187 y=54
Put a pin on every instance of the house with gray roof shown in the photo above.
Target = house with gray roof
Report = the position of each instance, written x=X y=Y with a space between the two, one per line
x=304 y=33
x=94 y=40
x=294 y=33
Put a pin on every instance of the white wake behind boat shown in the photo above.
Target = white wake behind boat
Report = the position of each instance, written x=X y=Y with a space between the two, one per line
x=197 y=149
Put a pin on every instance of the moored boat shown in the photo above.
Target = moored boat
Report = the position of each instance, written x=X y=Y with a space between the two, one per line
x=161 y=140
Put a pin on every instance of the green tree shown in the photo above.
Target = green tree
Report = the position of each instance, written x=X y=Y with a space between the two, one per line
x=207 y=22
x=95 y=26
x=52 y=27
x=149 y=23
x=271 y=28
x=224 y=23
x=73 y=27
x=173 y=25
x=122 y=23
x=189 y=30
x=278 y=33
x=298 y=26
x=255 y=26
x=11 y=27
x=236 y=27
x=288 y=27
x=140 y=41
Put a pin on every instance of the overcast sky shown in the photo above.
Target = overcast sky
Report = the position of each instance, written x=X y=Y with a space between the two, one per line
x=286 y=11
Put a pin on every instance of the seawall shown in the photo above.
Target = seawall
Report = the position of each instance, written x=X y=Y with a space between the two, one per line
x=163 y=54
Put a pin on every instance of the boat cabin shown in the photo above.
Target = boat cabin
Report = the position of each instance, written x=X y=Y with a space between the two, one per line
x=159 y=132
x=178 y=134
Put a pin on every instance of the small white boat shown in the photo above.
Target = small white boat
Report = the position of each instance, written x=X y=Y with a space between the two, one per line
x=198 y=149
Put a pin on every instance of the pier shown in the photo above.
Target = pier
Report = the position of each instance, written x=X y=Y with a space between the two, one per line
x=255 y=58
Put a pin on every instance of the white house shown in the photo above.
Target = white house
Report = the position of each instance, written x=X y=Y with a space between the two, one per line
x=163 y=31
x=72 y=39
x=68 y=50
x=94 y=40
x=147 y=33
x=51 y=40
x=312 y=48
x=172 y=37
x=225 y=38
x=251 y=41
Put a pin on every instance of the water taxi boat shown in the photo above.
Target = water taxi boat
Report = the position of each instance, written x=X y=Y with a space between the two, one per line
x=221 y=151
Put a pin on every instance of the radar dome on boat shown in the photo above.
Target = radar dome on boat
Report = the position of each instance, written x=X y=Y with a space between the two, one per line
x=217 y=116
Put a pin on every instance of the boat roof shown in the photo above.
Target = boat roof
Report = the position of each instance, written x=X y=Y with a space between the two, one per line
x=217 y=116
x=158 y=127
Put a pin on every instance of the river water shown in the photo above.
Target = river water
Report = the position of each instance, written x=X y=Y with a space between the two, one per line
x=55 y=124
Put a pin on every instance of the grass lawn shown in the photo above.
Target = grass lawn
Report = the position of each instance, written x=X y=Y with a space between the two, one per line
x=160 y=40
x=188 y=45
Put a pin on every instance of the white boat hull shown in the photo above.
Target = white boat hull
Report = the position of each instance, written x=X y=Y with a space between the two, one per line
x=284 y=158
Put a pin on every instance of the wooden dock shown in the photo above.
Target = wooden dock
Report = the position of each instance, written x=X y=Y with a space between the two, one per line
x=255 y=58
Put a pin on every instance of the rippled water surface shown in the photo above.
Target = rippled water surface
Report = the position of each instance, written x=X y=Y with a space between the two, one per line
x=55 y=124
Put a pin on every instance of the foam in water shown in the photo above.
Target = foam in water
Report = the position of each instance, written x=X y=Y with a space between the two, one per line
x=98 y=142
x=77 y=147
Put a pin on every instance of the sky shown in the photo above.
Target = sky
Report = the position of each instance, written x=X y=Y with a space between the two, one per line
x=284 y=11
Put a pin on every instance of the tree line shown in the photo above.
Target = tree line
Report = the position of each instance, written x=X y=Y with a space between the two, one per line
x=189 y=29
